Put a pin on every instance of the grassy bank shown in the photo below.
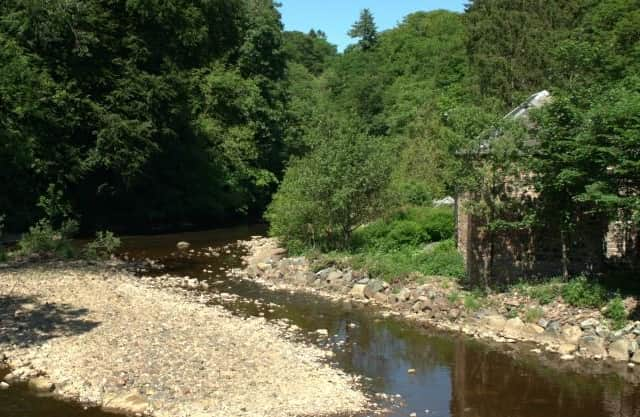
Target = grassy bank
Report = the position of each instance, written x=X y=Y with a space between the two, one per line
x=412 y=240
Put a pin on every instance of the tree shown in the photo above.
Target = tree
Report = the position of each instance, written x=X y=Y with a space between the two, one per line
x=365 y=30
x=337 y=187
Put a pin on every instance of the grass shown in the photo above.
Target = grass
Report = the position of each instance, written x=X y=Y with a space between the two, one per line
x=533 y=315
x=393 y=248
x=473 y=301
x=616 y=313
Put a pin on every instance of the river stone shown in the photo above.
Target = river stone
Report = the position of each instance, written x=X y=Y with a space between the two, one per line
x=358 y=290
x=636 y=357
x=132 y=403
x=41 y=384
x=534 y=329
x=495 y=322
x=417 y=307
x=373 y=287
x=333 y=277
x=593 y=345
x=4 y=386
x=619 y=350
x=183 y=245
x=571 y=334
x=514 y=327
x=381 y=297
x=589 y=324
x=553 y=329
x=567 y=349
x=404 y=295
x=324 y=273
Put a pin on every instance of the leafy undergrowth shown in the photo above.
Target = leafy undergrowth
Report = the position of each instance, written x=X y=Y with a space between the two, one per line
x=414 y=240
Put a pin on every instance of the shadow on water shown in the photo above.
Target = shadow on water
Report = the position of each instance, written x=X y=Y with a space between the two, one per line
x=24 y=321
x=454 y=375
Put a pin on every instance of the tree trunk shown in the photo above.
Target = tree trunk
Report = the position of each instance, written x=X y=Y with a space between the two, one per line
x=565 y=254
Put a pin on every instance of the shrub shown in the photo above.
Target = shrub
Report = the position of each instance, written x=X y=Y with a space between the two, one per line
x=104 y=245
x=335 y=188
x=408 y=227
x=43 y=239
x=473 y=301
x=616 y=312
x=453 y=297
x=543 y=293
x=580 y=292
x=533 y=315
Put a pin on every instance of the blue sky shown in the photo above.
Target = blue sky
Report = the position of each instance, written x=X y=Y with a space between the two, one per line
x=335 y=17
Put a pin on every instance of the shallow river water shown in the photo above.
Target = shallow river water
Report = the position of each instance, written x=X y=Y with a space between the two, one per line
x=455 y=376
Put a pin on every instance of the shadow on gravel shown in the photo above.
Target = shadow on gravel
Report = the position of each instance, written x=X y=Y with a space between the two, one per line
x=25 y=322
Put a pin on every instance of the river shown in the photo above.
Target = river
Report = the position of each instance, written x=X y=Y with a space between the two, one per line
x=454 y=376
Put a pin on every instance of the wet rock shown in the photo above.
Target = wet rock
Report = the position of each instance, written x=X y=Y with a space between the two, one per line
x=4 y=386
x=41 y=384
x=183 y=245
x=619 y=350
x=322 y=332
x=571 y=334
x=592 y=345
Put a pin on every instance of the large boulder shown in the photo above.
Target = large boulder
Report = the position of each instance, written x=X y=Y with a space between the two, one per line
x=41 y=385
x=494 y=322
x=593 y=345
x=373 y=287
x=571 y=334
x=358 y=291
x=620 y=350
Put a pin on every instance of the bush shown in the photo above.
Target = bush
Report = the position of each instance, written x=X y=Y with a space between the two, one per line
x=337 y=187
x=473 y=301
x=408 y=227
x=580 y=292
x=544 y=293
x=43 y=239
x=616 y=312
x=104 y=245
x=533 y=315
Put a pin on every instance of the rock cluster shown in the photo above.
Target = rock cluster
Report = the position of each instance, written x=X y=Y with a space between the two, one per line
x=569 y=331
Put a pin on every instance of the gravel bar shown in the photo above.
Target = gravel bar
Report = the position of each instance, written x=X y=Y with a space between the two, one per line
x=99 y=335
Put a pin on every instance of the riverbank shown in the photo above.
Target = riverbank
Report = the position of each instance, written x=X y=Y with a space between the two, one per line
x=437 y=302
x=101 y=336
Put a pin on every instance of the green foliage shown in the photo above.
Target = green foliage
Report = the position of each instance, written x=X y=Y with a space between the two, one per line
x=580 y=292
x=533 y=314
x=544 y=293
x=102 y=247
x=473 y=301
x=139 y=114
x=453 y=297
x=365 y=30
x=444 y=260
x=44 y=240
x=408 y=227
x=334 y=189
x=616 y=312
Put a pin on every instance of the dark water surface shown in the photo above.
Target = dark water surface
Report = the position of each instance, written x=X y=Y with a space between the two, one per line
x=455 y=376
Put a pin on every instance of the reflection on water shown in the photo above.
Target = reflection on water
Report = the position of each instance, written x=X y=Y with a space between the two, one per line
x=455 y=376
